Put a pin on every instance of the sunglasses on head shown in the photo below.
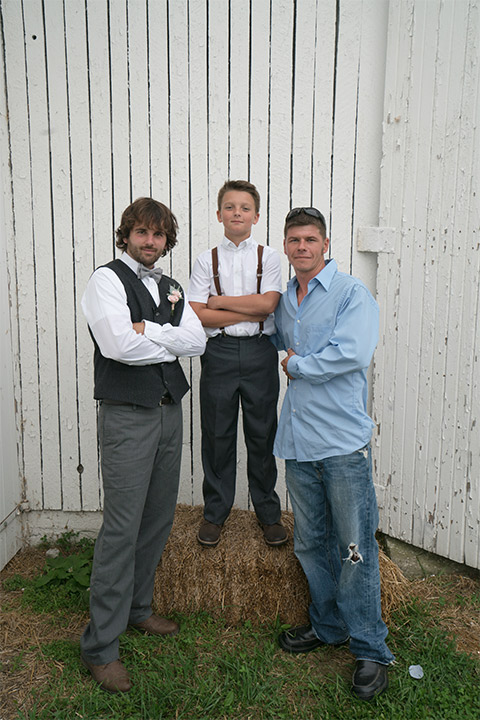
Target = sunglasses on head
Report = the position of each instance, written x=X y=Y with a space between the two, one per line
x=313 y=212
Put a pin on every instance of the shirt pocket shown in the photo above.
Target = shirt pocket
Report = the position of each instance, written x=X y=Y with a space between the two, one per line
x=317 y=338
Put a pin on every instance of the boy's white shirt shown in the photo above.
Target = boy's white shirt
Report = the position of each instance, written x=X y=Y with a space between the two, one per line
x=237 y=268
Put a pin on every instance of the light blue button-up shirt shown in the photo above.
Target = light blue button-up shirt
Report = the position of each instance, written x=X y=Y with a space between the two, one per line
x=333 y=332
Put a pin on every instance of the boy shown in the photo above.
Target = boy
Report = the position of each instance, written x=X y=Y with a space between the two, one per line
x=234 y=289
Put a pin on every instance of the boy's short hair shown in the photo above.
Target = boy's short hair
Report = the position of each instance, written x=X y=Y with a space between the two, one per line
x=241 y=186
x=151 y=213
x=305 y=216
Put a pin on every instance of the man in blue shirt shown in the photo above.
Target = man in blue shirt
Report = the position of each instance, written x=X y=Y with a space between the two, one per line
x=327 y=322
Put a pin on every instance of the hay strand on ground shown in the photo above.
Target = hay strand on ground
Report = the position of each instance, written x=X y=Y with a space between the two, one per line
x=242 y=578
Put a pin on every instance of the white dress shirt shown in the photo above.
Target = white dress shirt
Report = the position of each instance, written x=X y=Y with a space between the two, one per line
x=237 y=268
x=104 y=304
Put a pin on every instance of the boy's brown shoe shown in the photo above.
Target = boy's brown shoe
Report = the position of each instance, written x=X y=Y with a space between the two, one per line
x=275 y=534
x=209 y=534
x=111 y=677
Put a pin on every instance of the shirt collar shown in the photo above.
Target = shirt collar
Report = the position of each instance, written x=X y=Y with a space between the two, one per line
x=132 y=264
x=324 y=277
x=229 y=245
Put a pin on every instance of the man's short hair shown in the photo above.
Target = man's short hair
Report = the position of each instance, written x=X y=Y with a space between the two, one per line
x=305 y=216
x=153 y=215
x=241 y=186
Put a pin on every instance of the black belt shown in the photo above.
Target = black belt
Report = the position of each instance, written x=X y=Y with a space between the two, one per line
x=165 y=400
x=223 y=334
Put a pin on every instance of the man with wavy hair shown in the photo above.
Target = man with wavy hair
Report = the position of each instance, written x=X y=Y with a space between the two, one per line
x=140 y=325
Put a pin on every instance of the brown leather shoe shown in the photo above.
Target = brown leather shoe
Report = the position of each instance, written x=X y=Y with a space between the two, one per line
x=275 y=534
x=155 y=625
x=112 y=677
x=209 y=534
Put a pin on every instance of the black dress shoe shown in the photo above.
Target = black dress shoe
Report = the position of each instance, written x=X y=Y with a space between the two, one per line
x=301 y=639
x=369 y=679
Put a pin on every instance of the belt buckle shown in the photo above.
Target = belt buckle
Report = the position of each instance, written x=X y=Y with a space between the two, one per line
x=166 y=400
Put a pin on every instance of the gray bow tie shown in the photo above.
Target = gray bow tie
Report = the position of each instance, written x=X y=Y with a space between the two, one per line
x=155 y=273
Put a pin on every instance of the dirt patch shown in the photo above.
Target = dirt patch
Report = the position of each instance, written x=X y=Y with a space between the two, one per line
x=455 y=603
x=23 y=668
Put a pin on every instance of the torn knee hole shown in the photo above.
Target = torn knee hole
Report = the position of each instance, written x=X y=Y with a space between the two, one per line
x=353 y=554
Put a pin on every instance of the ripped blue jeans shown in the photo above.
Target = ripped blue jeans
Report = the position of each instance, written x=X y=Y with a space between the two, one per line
x=336 y=517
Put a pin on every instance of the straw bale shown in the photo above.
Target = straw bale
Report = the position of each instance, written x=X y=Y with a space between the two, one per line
x=242 y=578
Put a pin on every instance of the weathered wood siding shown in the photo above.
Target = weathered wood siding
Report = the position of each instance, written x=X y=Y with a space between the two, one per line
x=10 y=481
x=109 y=100
x=426 y=379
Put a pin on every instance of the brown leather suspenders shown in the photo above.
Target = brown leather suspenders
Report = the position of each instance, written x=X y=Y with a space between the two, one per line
x=216 y=277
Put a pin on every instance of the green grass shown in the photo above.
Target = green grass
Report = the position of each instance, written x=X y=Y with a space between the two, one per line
x=64 y=582
x=211 y=671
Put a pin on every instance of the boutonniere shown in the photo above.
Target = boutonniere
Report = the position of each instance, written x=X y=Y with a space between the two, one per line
x=174 y=295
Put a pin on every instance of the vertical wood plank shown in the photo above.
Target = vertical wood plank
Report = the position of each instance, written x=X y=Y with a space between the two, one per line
x=198 y=231
x=238 y=87
x=17 y=188
x=63 y=320
x=278 y=199
x=368 y=143
x=414 y=200
x=138 y=98
x=344 y=132
x=42 y=397
x=85 y=223
x=159 y=134
x=10 y=477
x=121 y=139
x=303 y=101
x=218 y=144
x=388 y=274
x=462 y=114
x=258 y=159
x=324 y=80
x=179 y=181
x=98 y=224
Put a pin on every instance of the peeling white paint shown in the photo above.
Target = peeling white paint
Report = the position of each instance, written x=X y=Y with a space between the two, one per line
x=426 y=385
x=106 y=117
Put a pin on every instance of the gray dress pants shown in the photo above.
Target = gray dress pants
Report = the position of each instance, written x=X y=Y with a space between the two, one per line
x=140 y=454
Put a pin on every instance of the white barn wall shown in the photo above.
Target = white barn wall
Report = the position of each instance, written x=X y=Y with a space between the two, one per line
x=112 y=99
x=426 y=389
